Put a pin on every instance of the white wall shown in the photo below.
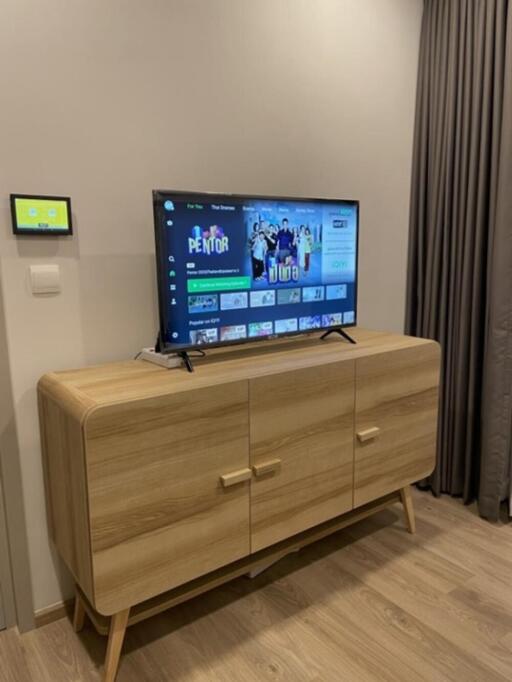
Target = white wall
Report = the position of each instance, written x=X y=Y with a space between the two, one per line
x=105 y=100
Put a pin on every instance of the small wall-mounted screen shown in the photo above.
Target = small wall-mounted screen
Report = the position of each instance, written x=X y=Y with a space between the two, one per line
x=41 y=215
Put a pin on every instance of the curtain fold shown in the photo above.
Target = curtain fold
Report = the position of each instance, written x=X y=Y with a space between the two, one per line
x=496 y=474
x=459 y=242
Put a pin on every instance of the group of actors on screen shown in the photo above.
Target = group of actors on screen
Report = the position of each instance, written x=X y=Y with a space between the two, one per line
x=280 y=244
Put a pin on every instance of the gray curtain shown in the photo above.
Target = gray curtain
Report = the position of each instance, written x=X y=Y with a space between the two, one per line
x=459 y=288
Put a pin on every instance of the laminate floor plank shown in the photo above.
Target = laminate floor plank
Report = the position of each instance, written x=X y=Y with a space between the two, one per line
x=311 y=618
x=478 y=557
x=54 y=652
x=491 y=604
x=405 y=574
x=402 y=631
x=453 y=512
x=465 y=628
x=257 y=637
x=454 y=518
x=371 y=603
x=13 y=666
x=441 y=573
x=357 y=615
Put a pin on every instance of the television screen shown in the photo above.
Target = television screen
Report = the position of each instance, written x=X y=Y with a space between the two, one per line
x=237 y=268
x=41 y=214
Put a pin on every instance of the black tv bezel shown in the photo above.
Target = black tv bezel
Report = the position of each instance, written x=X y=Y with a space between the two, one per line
x=40 y=231
x=158 y=194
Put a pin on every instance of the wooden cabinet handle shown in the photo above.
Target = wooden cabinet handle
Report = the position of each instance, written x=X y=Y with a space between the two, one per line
x=235 y=477
x=368 y=434
x=266 y=467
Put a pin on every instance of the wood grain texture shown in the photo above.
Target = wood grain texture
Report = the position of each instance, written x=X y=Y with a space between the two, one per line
x=144 y=454
x=253 y=563
x=115 y=644
x=396 y=392
x=13 y=663
x=410 y=521
x=305 y=419
x=159 y=513
x=132 y=380
x=369 y=604
x=66 y=489
x=469 y=639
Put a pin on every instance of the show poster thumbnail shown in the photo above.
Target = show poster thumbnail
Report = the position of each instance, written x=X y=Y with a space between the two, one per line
x=299 y=243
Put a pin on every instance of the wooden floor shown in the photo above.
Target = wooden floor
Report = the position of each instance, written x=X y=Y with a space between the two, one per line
x=370 y=603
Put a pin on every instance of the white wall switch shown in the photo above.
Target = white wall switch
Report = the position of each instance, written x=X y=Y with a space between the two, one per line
x=45 y=279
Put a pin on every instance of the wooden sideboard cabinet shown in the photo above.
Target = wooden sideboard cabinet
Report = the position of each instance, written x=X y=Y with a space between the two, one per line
x=162 y=484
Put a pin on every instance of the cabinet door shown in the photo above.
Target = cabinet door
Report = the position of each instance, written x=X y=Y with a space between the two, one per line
x=396 y=420
x=301 y=426
x=160 y=513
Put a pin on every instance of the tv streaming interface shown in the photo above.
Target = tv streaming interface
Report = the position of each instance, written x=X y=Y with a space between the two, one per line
x=239 y=269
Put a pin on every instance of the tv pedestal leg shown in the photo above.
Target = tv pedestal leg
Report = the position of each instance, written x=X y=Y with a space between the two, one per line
x=115 y=644
x=340 y=331
x=186 y=361
x=410 y=521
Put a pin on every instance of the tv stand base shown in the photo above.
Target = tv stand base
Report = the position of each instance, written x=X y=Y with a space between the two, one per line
x=341 y=332
x=186 y=360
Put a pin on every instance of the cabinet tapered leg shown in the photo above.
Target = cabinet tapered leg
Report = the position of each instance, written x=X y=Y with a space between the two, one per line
x=115 y=644
x=79 y=614
x=410 y=521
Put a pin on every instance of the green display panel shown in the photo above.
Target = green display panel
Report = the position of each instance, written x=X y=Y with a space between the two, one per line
x=41 y=215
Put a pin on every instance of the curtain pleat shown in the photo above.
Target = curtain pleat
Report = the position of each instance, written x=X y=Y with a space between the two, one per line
x=496 y=470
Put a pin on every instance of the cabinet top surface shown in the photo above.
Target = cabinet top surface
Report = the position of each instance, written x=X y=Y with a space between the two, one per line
x=119 y=382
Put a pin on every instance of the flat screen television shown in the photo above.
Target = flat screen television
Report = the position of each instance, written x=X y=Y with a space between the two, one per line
x=239 y=268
